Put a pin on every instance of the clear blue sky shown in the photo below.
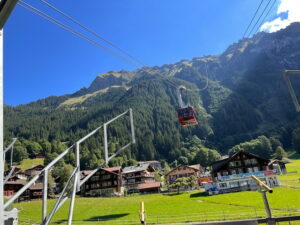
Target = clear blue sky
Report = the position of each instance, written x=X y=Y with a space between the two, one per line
x=42 y=59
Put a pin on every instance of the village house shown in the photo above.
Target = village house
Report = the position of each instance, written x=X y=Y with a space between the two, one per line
x=105 y=182
x=11 y=187
x=278 y=165
x=34 y=191
x=185 y=171
x=154 y=163
x=234 y=173
x=140 y=178
x=34 y=170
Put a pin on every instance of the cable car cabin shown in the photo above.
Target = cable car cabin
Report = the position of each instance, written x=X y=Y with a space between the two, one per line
x=187 y=116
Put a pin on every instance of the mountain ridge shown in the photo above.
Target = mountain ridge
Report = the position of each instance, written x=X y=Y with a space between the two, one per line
x=245 y=97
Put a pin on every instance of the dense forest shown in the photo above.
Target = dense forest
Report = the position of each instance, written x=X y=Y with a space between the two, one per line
x=246 y=106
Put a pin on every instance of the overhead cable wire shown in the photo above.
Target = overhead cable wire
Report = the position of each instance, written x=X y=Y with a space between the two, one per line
x=265 y=16
x=206 y=84
x=71 y=30
x=260 y=17
x=92 y=32
x=82 y=36
x=253 y=18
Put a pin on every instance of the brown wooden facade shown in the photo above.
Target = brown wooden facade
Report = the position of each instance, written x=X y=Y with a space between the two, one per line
x=134 y=176
x=240 y=162
x=105 y=182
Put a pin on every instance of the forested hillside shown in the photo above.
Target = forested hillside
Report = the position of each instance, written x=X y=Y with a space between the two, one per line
x=246 y=100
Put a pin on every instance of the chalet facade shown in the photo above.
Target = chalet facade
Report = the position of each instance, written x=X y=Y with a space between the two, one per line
x=140 y=178
x=154 y=163
x=34 y=170
x=35 y=191
x=234 y=173
x=105 y=182
x=185 y=171
x=11 y=187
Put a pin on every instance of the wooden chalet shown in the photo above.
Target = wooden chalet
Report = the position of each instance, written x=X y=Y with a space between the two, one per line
x=11 y=187
x=185 y=171
x=34 y=170
x=35 y=191
x=105 y=182
x=234 y=173
x=140 y=178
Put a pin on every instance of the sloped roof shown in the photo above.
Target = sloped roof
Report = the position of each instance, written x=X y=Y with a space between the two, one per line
x=86 y=172
x=148 y=185
x=113 y=169
x=137 y=168
x=17 y=182
x=37 y=186
x=194 y=168
x=220 y=163
x=37 y=167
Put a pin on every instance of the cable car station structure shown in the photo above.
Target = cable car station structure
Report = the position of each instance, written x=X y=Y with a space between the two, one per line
x=74 y=178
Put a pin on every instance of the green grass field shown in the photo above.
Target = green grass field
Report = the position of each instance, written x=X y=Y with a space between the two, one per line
x=29 y=163
x=168 y=208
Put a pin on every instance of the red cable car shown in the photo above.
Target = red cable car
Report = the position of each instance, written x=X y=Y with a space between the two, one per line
x=186 y=114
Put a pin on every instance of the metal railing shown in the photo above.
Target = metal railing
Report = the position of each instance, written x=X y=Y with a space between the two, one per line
x=75 y=173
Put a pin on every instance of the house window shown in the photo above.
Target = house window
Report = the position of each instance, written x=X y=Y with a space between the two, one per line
x=250 y=170
x=106 y=176
x=234 y=184
x=223 y=185
x=243 y=183
x=238 y=163
x=254 y=161
x=231 y=164
x=225 y=173
x=247 y=162
x=233 y=172
x=240 y=170
x=256 y=169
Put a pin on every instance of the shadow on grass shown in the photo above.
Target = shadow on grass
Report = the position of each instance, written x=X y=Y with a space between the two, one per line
x=107 y=217
x=59 y=221
x=173 y=194
x=199 y=194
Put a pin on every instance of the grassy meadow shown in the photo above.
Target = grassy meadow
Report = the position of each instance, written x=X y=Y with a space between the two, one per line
x=29 y=163
x=169 y=208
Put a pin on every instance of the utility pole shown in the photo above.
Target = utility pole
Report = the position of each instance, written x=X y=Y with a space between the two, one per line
x=6 y=7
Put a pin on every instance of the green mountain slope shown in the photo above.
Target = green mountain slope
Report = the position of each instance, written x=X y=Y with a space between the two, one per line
x=246 y=97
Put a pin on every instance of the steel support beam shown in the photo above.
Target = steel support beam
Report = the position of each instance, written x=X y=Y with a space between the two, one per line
x=48 y=219
x=105 y=144
x=1 y=130
x=77 y=184
x=6 y=7
x=132 y=126
x=35 y=178
x=72 y=202
x=75 y=173
x=45 y=195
